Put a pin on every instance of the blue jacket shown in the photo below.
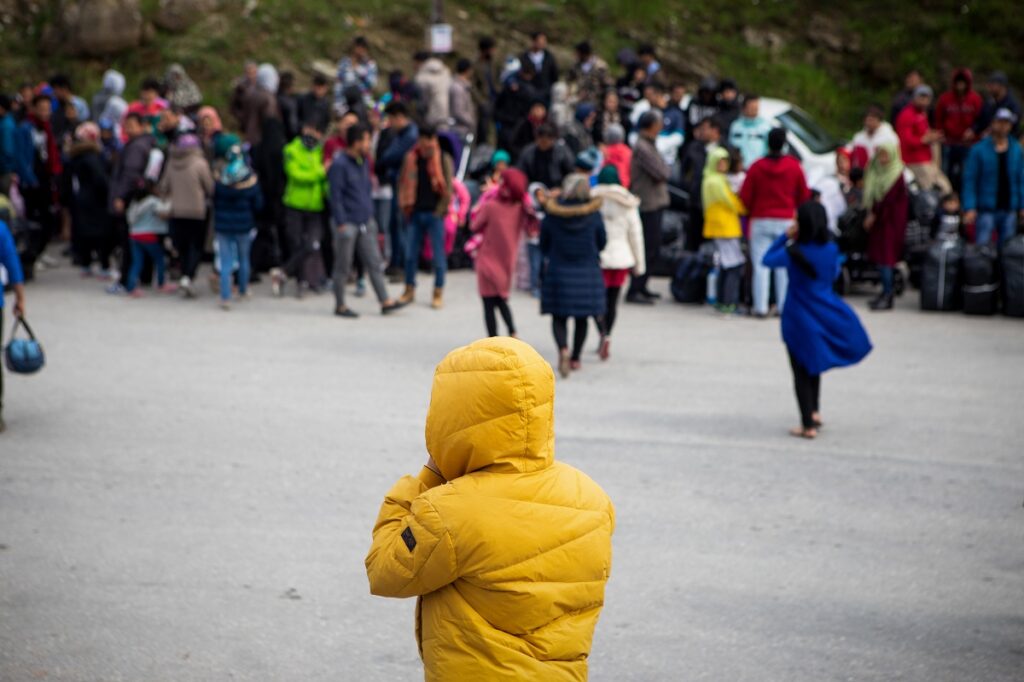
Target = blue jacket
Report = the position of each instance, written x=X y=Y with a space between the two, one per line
x=8 y=158
x=25 y=155
x=819 y=329
x=351 y=196
x=235 y=206
x=750 y=136
x=572 y=237
x=981 y=176
x=391 y=159
x=9 y=259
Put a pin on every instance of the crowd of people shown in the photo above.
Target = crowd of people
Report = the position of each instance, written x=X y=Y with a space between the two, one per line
x=362 y=177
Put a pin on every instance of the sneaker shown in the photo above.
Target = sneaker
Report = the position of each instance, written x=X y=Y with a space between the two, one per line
x=361 y=288
x=225 y=305
x=346 y=312
x=167 y=288
x=185 y=285
x=116 y=289
x=639 y=299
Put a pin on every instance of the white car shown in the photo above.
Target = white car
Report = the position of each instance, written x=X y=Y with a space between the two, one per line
x=808 y=141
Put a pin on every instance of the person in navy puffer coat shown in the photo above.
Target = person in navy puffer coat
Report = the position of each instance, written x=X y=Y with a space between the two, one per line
x=572 y=237
x=821 y=332
x=236 y=201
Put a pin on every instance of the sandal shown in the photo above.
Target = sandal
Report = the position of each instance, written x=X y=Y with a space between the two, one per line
x=800 y=432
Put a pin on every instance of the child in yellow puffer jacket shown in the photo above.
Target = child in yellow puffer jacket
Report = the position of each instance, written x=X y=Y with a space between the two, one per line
x=722 y=211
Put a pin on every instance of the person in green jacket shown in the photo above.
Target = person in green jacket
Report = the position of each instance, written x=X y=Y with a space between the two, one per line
x=304 y=194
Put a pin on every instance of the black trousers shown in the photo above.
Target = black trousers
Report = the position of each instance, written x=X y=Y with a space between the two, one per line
x=729 y=285
x=651 y=221
x=303 y=230
x=808 y=388
x=492 y=303
x=93 y=248
x=560 y=327
x=607 y=321
x=189 y=237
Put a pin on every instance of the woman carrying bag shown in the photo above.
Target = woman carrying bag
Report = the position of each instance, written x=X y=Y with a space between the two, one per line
x=12 y=265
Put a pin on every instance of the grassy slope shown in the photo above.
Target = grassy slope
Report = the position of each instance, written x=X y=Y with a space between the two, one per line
x=834 y=86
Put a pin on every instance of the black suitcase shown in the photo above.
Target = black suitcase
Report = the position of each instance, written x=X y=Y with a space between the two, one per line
x=981 y=280
x=1013 y=277
x=940 y=276
x=690 y=281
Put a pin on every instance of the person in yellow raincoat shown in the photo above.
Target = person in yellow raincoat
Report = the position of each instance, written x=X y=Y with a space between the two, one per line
x=507 y=549
x=722 y=211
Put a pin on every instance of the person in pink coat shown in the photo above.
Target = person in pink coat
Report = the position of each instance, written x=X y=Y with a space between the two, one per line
x=501 y=221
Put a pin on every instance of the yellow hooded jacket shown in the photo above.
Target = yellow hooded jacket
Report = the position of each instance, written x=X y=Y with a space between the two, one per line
x=510 y=557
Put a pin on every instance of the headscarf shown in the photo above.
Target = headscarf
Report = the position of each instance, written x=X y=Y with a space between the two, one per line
x=211 y=113
x=182 y=91
x=609 y=175
x=512 y=189
x=879 y=179
x=187 y=141
x=87 y=132
x=236 y=170
x=576 y=187
x=583 y=110
x=223 y=144
x=267 y=78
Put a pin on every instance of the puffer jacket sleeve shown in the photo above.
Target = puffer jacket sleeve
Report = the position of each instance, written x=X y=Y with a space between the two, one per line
x=412 y=552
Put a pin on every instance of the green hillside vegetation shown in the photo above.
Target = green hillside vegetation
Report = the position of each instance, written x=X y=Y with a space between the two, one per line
x=831 y=58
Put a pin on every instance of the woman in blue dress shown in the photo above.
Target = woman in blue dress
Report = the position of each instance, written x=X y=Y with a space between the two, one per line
x=820 y=331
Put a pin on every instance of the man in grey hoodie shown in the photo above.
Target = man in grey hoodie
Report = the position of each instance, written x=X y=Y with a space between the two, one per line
x=109 y=102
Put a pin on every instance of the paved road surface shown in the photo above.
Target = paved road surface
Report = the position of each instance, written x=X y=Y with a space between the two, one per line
x=187 y=494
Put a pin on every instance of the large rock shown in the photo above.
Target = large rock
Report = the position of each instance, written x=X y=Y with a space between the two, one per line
x=179 y=15
x=98 y=27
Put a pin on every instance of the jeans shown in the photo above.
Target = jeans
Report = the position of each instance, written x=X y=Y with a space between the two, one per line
x=233 y=248
x=398 y=234
x=140 y=250
x=763 y=233
x=382 y=212
x=1003 y=223
x=536 y=265
x=350 y=240
x=808 y=390
x=421 y=224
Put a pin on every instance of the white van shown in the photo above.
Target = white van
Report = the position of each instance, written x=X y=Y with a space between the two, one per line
x=808 y=141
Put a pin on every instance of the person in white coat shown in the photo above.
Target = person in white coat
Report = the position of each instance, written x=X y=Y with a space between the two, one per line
x=624 y=252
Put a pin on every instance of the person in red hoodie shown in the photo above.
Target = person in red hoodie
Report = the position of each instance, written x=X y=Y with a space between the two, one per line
x=773 y=189
x=955 y=113
x=916 y=140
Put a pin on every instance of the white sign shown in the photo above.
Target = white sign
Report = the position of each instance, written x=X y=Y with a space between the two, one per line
x=439 y=38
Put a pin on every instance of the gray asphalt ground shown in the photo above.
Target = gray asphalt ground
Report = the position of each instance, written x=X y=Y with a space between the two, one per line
x=187 y=494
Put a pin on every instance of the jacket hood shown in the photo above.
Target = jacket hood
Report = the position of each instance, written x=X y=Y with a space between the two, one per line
x=492 y=407
x=80 y=147
x=433 y=66
x=574 y=209
x=617 y=194
x=183 y=156
x=113 y=83
x=964 y=73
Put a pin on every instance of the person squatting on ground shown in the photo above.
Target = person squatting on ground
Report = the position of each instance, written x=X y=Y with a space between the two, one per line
x=572 y=237
x=507 y=550
x=624 y=252
x=819 y=329
x=355 y=230
x=502 y=221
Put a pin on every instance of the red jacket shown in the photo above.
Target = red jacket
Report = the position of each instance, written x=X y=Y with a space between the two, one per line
x=954 y=115
x=774 y=188
x=911 y=125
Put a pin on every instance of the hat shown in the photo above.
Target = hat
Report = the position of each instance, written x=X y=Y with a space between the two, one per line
x=923 y=91
x=1000 y=78
x=499 y=156
x=223 y=143
x=609 y=175
x=588 y=159
x=1004 y=114
x=583 y=110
